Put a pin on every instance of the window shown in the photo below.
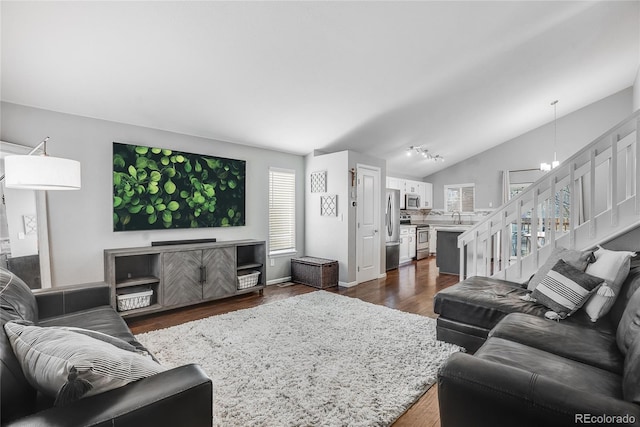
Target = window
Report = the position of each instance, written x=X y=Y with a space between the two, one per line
x=282 y=211
x=459 y=197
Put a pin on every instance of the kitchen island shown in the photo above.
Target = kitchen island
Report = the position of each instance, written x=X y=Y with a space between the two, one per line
x=448 y=254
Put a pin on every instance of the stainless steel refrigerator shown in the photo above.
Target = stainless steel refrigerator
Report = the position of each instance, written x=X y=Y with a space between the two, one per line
x=392 y=228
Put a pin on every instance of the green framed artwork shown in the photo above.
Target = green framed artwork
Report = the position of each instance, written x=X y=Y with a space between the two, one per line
x=158 y=188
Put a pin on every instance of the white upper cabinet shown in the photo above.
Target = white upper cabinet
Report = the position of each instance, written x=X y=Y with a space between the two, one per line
x=397 y=184
x=427 y=198
x=407 y=186
x=393 y=183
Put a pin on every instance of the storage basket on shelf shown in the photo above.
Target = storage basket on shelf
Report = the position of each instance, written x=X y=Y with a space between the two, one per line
x=248 y=279
x=133 y=300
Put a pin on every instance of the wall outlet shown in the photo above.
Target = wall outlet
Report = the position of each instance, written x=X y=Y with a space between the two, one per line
x=272 y=262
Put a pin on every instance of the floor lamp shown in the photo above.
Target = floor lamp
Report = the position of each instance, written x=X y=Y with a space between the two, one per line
x=41 y=172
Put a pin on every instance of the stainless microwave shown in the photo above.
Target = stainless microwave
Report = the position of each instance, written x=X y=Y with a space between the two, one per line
x=412 y=201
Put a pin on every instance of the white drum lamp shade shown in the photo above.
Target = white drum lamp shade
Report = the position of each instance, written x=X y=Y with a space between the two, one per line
x=42 y=173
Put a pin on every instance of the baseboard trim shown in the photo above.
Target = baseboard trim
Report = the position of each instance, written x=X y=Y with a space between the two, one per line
x=347 y=284
x=280 y=280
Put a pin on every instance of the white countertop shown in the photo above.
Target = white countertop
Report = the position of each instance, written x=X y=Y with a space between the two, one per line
x=452 y=227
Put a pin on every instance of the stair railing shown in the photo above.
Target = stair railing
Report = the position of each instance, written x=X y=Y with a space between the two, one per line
x=588 y=199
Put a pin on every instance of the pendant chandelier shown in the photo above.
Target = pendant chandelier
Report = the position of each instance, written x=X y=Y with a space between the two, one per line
x=548 y=166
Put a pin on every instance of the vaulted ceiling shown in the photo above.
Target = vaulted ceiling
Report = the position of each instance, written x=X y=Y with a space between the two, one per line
x=454 y=77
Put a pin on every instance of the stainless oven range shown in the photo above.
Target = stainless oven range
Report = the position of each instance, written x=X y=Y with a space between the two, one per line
x=422 y=241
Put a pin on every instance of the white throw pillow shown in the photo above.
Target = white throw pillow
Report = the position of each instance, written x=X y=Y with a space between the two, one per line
x=613 y=267
x=68 y=366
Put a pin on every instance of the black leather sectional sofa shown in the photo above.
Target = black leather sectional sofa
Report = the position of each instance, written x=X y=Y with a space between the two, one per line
x=176 y=397
x=531 y=371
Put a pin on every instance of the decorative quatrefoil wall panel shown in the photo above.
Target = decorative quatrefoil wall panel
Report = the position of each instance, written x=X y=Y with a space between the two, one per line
x=329 y=205
x=319 y=182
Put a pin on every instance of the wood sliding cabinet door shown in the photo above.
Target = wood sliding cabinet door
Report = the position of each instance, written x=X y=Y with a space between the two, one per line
x=182 y=277
x=220 y=272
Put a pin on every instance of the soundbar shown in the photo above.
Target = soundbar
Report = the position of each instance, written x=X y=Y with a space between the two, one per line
x=182 y=242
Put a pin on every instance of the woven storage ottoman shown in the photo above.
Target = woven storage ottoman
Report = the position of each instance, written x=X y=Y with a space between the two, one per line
x=317 y=272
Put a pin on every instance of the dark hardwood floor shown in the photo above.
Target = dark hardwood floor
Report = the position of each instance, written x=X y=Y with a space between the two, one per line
x=409 y=288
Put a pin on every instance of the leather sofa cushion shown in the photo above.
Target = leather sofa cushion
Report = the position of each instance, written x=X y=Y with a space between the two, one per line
x=102 y=319
x=576 y=375
x=629 y=326
x=590 y=346
x=631 y=381
x=629 y=287
x=16 y=303
x=483 y=302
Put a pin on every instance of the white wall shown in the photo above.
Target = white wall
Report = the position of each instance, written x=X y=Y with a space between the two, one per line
x=575 y=131
x=636 y=83
x=636 y=92
x=80 y=222
x=328 y=237
x=335 y=237
x=18 y=204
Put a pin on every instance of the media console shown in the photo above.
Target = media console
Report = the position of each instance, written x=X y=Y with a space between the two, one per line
x=181 y=275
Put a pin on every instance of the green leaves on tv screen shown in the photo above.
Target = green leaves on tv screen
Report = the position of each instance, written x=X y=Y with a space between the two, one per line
x=156 y=188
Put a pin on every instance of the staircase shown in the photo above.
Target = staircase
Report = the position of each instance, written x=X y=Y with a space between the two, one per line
x=590 y=198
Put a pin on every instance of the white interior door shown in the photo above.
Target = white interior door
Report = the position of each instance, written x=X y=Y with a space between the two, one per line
x=368 y=226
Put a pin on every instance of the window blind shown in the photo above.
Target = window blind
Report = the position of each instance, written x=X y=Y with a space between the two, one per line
x=468 y=195
x=460 y=198
x=282 y=210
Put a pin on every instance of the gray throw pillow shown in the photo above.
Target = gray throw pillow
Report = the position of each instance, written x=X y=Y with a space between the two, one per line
x=16 y=298
x=122 y=344
x=68 y=366
x=577 y=259
x=629 y=326
x=565 y=289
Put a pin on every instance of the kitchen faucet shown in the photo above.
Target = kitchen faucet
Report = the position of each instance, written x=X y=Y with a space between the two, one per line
x=453 y=214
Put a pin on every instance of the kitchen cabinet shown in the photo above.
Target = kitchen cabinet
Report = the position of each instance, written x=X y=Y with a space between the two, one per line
x=412 y=187
x=448 y=256
x=433 y=240
x=412 y=243
x=404 y=245
x=393 y=183
x=423 y=189
x=407 y=243
x=397 y=184
x=427 y=195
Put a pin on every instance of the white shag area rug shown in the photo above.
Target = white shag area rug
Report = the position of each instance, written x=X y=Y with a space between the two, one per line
x=318 y=359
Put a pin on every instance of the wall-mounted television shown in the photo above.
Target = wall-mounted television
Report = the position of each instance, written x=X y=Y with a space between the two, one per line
x=158 y=188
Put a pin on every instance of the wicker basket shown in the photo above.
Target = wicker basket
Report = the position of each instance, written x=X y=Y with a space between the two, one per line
x=248 y=279
x=134 y=300
x=317 y=272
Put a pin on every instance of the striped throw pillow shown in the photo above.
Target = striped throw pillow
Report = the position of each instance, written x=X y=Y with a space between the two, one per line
x=565 y=289
x=68 y=366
